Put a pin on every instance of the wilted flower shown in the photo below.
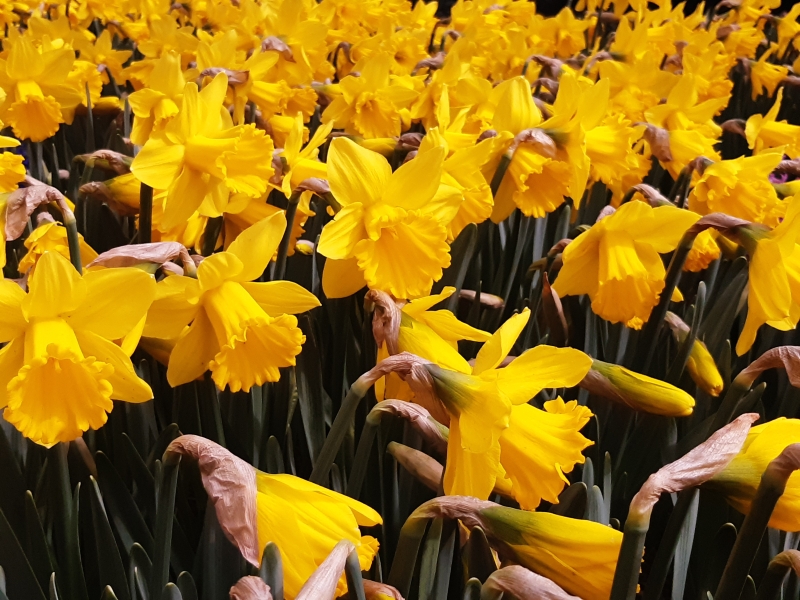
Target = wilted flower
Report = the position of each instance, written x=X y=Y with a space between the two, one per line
x=701 y=365
x=51 y=237
x=305 y=520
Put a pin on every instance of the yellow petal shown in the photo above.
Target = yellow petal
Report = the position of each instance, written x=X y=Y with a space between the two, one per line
x=414 y=184
x=493 y=352
x=539 y=368
x=340 y=236
x=281 y=297
x=116 y=299
x=194 y=351
x=158 y=164
x=127 y=385
x=55 y=288
x=172 y=309
x=355 y=173
x=12 y=357
x=217 y=269
x=256 y=246
x=516 y=110
x=12 y=321
x=342 y=278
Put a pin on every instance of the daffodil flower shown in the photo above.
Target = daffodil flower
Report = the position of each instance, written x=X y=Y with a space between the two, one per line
x=617 y=263
x=243 y=332
x=60 y=370
x=764 y=132
x=391 y=233
x=155 y=105
x=51 y=237
x=202 y=158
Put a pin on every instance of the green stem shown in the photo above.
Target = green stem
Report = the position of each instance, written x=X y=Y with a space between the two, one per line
x=769 y=491
x=629 y=563
x=358 y=470
x=352 y=572
x=502 y=167
x=145 y=214
x=283 y=249
x=165 y=511
x=73 y=240
x=211 y=234
x=90 y=128
x=271 y=570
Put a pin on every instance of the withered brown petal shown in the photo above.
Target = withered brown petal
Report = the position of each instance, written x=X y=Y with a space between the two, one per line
x=24 y=201
x=322 y=583
x=695 y=467
x=250 y=588
x=134 y=254
x=314 y=184
x=658 y=139
x=522 y=584
x=553 y=313
x=385 y=320
x=234 y=77
x=419 y=417
x=276 y=44
x=786 y=357
x=231 y=486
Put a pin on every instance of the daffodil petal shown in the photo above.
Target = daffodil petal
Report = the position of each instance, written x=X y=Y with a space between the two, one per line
x=493 y=352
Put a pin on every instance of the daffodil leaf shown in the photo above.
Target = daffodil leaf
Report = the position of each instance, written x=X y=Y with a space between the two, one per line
x=572 y=501
x=594 y=510
x=166 y=484
x=108 y=594
x=145 y=483
x=171 y=592
x=36 y=547
x=429 y=560
x=445 y=562
x=23 y=583
x=187 y=587
x=480 y=560
x=140 y=570
x=274 y=456
x=109 y=563
x=352 y=571
x=461 y=252
x=472 y=590
x=271 y=570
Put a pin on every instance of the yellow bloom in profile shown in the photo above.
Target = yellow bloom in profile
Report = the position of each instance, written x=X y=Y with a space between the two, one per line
x=704 y=251
x=765 y=132
x=300 y=161
x=374 y=104
x=60 y=369
x=739 y=481
x=303 y=519
x=578 y=555
x=391 y=233
x=773 y=296
x=617 y=263
x=12 y=169
x=51 y=237
x=155 y=105
x=765 y=77
x=243 y=332
x=39 y=98
x=201 y=158
x=739 y=187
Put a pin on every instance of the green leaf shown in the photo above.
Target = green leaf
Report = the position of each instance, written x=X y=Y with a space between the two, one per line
x=683 y=552
x=461 y=251
x=139 y=563
x=108 y=594
x=271 y=570
x=309 y=389
x=274 y=456
x=595 y=510
x=12 y=491
x=53 y=588
x=23 y=582
x=167 y=481
x=125 y=516
x=405 y=557
x=480 y=560
x=171 y=592
x=36 y=547
x=430 y=558
x=441 y=586
x=142 y=477
x=472 y=591
x=572 y=501
x=109 y=562
x=187 y=587
x=607 y=487
x=352 y=572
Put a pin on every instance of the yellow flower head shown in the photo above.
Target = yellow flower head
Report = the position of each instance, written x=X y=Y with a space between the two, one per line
x=391 y=232
x=51 y=237
x=201 y=158
x=243 y=332
x=764 y=132
x=155 y=105
x=60 y=369
x=617 y=261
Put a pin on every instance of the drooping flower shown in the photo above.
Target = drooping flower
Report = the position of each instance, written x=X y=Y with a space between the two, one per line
x=764 y=132
x=739 y=481
x=303 y=519
x=243 y=332
x=51 y=237
x=155 y=105
x=578 y=555
x=201 y=158
x=60 y=369
x=617 y=263
x=391 y=233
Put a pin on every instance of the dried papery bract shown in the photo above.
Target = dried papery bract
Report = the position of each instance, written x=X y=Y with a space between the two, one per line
x=231 y=486
x=135 y=254
x=522 y=584
x=385 y=320
x=786 y=357
x=697 y=466
x=250 y=588
x=322 y=584
x=23 y=202
x=779 y=567
x=374 y=590
x=700 y=364
x=107 y=159
x=773 y=483
x=432 y=432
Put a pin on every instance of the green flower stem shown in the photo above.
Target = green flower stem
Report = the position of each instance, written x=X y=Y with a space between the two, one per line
x=73 y=240
x=283 y=249
x=145 y=214
x=629 y=563
x=771 y=488
x=502 y=167
x=211 y=234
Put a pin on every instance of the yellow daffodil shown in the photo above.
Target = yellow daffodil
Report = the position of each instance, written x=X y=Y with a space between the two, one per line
x=303 y=519
x=243 y=332
x=773 y=296
x=739 y=187
x=374 y=104
x=765 y=132
x=392 y=229
x=739 y=481
x=39 y=97
x=202 y=158
x=12 y=171
x=155 y=105
x=764 y=76
x=60 y=369
x=617 y=263
x=51 y=237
